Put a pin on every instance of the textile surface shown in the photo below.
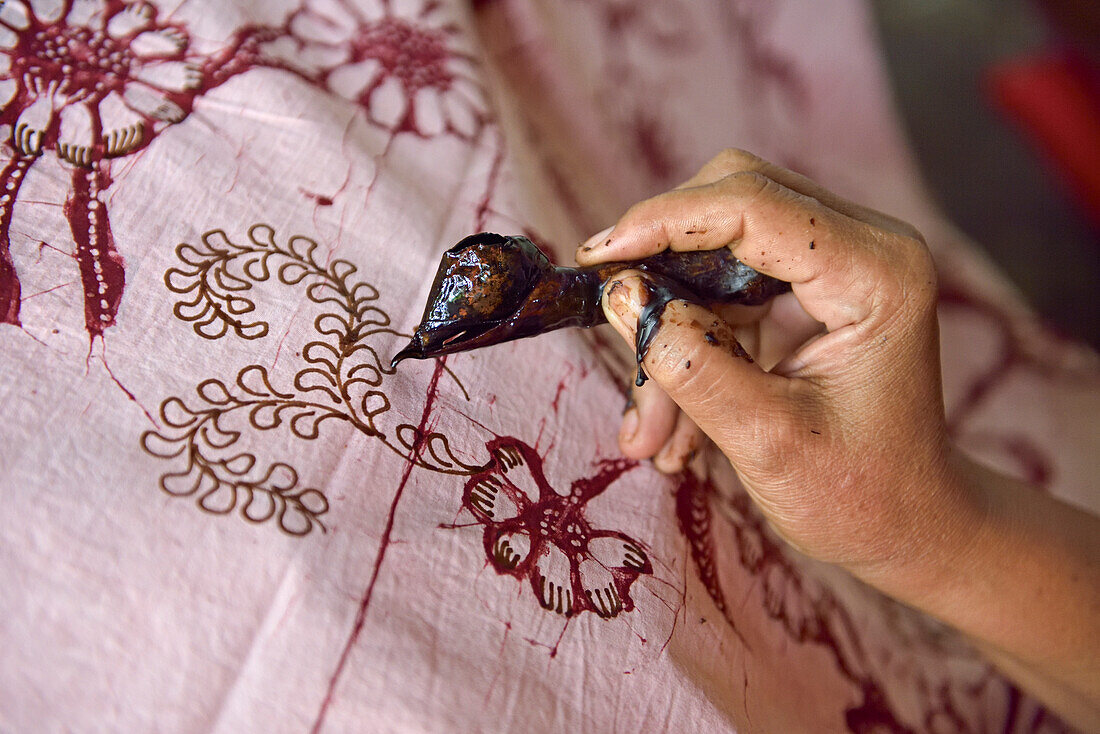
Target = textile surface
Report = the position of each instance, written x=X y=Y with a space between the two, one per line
x=223 y=510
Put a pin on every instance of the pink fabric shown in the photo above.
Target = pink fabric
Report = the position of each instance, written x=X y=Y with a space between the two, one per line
x=223 y=511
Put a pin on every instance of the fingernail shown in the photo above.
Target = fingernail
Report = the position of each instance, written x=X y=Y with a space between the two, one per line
x=623 y=304
x=665 y=460
x=630 y=426
x=596 y=240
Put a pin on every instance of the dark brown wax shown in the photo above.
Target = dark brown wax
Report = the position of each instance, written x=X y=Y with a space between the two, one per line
x=491 y=289
x=660 y=291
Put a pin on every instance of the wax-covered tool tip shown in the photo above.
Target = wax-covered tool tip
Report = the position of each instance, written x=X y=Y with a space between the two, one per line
x=412 y=351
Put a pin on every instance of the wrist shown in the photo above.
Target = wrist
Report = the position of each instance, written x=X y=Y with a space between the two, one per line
x=935 y=547
x=1018 y=572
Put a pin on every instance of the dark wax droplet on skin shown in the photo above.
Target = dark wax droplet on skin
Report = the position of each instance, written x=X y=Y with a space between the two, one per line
x=658 y=292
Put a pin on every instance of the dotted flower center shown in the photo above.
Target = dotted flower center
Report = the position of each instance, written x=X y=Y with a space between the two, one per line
x=86 y=60
x=416 y=56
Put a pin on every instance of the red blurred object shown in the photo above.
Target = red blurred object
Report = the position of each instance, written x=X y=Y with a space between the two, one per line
x=1055 y=100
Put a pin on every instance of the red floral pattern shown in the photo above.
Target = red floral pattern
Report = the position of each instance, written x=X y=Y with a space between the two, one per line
x=95 y=80
x=89 y=80
x=535 y=533
x=404 y=66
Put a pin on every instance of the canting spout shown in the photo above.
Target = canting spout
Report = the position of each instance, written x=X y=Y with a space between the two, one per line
x=412 y=351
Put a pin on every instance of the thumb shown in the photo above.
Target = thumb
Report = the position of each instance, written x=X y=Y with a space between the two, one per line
x=693 y=355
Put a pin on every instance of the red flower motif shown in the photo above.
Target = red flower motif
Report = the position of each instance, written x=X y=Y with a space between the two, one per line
x=91 y=80
x=94 y=83
x=534 y=532
x=400 y=61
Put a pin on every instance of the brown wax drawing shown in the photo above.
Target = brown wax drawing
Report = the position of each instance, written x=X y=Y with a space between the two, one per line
x=340 y=379
x=533 y=532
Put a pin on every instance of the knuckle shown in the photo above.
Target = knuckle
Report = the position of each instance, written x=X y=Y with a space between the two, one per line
x=646 y=212
x=666 y=361
x=735 y=159
x=749 y=184
x=917 y=269
x=685 y=365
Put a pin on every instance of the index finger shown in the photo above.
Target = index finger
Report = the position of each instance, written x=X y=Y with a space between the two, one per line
x=841 y=268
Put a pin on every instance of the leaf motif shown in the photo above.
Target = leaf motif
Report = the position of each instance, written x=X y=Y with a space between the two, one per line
x=176 y=414
x=367 y=359
x=329 y=324
x=227 y=281
x=372 y=316
x=323 y=292
x=342 y=269
x=220 y=500
x=217 y=242
x=366 y=377
x=434 y=449
x=211 y=327
x=307 y=424
x=254 y=380
x=182 y=483
x=374 y=404
x=281 y=477
x=294 y=521
x=260 y=506
x=195 y=310
x=179 y=280
x=265 y=416
x=161 y=446
x=251 y=331
x=257 y=267
x=314 y=379
x=313 y=502
x=240 y=464
x=363 y=292
x=193 y=256
x=263 y=236
x=215 y=437
x=438 y=447
x=214 y=392
x=322 y=353
x=197 y=298
x=293 y=272
x=302 y=248
x=237 y=305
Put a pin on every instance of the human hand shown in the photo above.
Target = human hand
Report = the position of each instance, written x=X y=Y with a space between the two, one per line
x=842 y=443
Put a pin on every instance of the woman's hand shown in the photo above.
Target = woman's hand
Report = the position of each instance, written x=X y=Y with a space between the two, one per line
x=837 y=430
x=843 y=443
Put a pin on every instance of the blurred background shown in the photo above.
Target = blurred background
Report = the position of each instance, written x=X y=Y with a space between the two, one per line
x=1001 y=100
